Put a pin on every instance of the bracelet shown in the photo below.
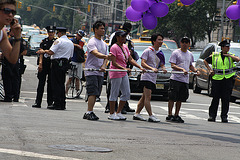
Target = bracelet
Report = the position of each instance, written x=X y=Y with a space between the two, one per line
x=16 y=40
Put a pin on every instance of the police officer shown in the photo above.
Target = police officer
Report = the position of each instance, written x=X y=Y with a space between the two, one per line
x=44 y=69
x=61 y=51
x=223 y=74
x=10 y=73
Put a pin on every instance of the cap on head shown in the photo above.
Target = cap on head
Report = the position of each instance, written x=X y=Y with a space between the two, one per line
x=61 y=29
x=185 y=39
x=51 y=28
x=126 y=26
x=225 y=42
x=81 y=33
x=121 y=33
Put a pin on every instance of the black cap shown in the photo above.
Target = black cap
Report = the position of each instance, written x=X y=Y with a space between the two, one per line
x=126 y=26
x=225 y=42
x=121 y=33
x=61 y=29
x=51 y=28
x=185 y=39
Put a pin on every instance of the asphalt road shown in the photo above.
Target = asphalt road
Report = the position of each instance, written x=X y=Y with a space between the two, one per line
x=28 y=133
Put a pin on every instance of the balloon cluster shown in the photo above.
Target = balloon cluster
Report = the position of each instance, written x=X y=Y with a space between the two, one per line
x=149 y=10
x=233 y=11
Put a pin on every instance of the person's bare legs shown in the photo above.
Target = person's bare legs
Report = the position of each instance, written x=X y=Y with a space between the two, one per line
x=140 y=104
x=170 y=106
x=147 y=100
x=91 y=102
x=112 y=106
x=178 y=106
x=120 y=106
x=68 y=85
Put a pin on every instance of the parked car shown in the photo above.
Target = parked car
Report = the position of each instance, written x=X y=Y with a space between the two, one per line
x=163 y=80
x=34 y=43
x=203 y=82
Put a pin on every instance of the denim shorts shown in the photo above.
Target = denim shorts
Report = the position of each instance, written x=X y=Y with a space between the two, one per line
x=178 y=91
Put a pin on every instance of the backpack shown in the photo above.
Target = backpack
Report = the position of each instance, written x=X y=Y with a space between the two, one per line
x=79 y=54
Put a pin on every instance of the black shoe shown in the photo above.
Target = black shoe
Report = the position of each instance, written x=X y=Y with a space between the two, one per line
x=90 y=116
x=107 y=110
x=224 y=120
x=35 y=105
x=169 y=118
x=6 y=100
x=124 y=111
x=52 y=107
x=178 y=119
x=211 y=119
x=15 y=100
x=130 y=109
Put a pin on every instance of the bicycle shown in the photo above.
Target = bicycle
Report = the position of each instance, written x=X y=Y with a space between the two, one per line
x=73 y=88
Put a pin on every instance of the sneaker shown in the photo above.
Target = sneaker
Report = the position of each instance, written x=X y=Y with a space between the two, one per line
x=138 y=117
x=90 y=116
x=121 y=117
x=113 y=117
x=169 y=118
x=178 y=119
x=152 y=118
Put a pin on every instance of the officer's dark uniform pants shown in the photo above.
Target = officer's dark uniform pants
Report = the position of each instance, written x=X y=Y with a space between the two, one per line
x=59 y=69
x=10 y=76
x=221 y=89
x=42 y=76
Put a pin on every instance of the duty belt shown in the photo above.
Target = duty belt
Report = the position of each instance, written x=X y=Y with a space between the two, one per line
x=226 y=71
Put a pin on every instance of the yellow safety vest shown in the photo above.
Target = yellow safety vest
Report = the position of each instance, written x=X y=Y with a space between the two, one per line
x=222 y=70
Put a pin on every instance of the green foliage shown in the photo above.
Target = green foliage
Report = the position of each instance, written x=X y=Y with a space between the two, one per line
x=61 y=17
x=194 y=21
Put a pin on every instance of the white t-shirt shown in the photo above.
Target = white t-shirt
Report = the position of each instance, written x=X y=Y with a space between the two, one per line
x=93 y=61
x=62 y=48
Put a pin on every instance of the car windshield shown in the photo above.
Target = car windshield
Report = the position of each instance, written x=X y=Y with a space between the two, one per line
x=37 y=39
x=171 y=44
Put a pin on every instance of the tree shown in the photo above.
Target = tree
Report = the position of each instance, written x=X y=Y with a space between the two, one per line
x=194 y=21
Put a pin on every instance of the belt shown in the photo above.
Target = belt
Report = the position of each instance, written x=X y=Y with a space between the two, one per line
x=60 y=59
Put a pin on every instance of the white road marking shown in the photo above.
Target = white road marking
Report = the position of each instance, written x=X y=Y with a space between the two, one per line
x=34 y=155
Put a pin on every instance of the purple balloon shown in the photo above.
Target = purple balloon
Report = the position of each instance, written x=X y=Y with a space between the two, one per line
x=140 y=5
x=168 y=1
x=159 y=9
x=187 y=2
x=233 y=12
x=151 y=2
x=133 y=15
x=149 y=21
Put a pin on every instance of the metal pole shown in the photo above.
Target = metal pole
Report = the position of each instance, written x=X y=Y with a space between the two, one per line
x=222 y=20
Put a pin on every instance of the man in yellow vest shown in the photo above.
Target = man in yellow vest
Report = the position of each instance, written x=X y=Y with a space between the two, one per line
x=223 y=74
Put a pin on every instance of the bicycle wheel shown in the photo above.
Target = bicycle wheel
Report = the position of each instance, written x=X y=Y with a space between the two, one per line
x=73 y=90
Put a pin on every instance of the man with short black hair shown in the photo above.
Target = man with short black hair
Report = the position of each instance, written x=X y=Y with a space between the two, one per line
x=61 y=51
x=181 y=60
x=97 y=59
x=44 y=69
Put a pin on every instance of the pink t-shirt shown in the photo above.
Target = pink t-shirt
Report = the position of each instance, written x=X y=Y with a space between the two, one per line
x=120 y=59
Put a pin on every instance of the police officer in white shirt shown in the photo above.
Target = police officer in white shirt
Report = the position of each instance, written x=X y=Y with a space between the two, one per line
x=61 y=51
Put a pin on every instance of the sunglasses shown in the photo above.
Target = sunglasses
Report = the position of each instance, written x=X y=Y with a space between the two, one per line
x=8 y=11
x=185 y=42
